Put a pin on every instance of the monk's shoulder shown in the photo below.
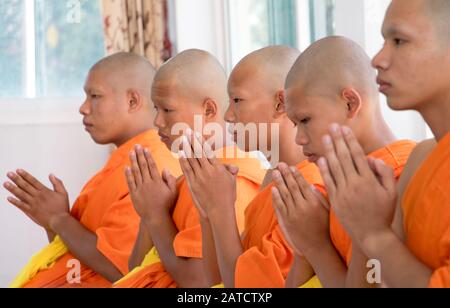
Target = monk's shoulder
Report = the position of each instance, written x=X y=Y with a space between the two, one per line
x=420 y=153
x=417 y=157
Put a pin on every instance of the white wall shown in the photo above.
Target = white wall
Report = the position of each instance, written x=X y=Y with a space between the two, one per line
x=203 y=24
x=46 y=139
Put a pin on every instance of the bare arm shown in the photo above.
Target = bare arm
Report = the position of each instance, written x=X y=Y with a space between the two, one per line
x=141 y=248
x=187 y=272
x=83 y=245
x=300 y=273
x=228 y=243
x=212 y=271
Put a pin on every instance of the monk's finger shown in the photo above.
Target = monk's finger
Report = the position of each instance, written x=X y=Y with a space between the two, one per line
x=130 y=179
x=328 y=180
x=305 y=187
x=277 y=201
x=142 y=163
x=193 y=162
x=282 y=188
x=186 y=167
x=319 y=195
x=333 y=162
x=22 y=184
x=18 y=193
x=31 y=179
x=152 y=167
x=291 y=184
x=386 y=175
x=24 y=207
x=342 y=151
x=356 y=151
x=197 y=146
x=208 y=154
x=135 y=168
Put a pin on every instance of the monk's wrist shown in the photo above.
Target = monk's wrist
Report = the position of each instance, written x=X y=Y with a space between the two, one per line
x=218 y=215
x=58 y=222
x=376 y=242
x=155 y=221
x=317 y=249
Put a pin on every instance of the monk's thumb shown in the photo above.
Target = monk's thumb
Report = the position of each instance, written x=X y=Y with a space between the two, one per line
x=170 y=180
x=386 y=175
x=323 y=201
x=232 y=169
x=58 y=185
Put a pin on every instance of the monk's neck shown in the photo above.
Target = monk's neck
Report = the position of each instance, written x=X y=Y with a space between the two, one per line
x=437 y=117
x=377 y=137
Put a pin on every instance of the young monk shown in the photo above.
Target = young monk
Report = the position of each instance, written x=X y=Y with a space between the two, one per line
x=263 y=258
x=414 y=69
x=191 y=84
x=101 y=228
x=331 y=82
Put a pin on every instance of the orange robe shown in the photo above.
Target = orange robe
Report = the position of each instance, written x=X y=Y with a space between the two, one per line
x=396 y=156
x=426 y=207
x=267 y=257
x=188 y=242
x=104 y=207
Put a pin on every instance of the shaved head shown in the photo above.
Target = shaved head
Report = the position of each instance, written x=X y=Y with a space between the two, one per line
x=197 y=75
x=330 y=65
x=272 y=63
x=439 y=11
x=128 y=71
x=118 y=103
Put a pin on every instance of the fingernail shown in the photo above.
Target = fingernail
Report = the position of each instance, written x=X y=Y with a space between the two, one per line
x=322 y=162
x=293 y=169
x=10 y=174
x=327 y=140
x=334 y=128
x=276 y=174
x=346 y=130
x=146 y=151
x=7 y=185
x=189 y=132
x=138 y=147
x=19 y=171
x=181 y=154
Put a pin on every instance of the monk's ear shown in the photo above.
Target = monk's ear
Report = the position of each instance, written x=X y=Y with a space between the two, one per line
x=353 y=102
x=280 y=104
x=210 y=109
x=134 y=101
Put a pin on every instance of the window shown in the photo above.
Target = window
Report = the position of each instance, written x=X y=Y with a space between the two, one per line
x=258 y=23
x=47 y=46
x=255 y=24
x=322 y=18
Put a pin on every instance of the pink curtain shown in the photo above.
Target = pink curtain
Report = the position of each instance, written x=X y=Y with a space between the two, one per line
x=138 y=26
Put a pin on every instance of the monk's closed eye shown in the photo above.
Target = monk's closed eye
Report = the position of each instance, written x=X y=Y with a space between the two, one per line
x=305 y=121
x=399 y=42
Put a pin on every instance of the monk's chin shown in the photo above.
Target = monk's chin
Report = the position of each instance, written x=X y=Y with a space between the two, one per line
x=399 y=104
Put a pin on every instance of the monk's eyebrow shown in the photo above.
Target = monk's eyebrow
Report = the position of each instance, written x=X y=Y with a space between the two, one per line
x=393 y=31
